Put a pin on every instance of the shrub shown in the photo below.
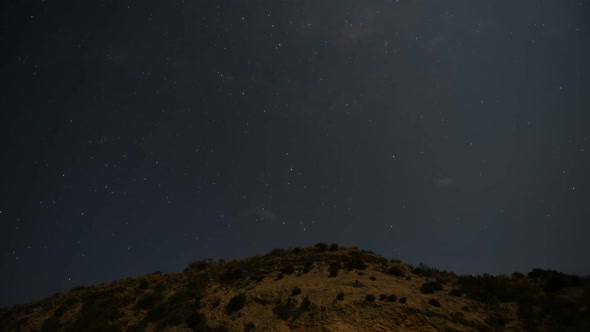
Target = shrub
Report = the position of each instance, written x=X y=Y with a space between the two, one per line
x=231 y=274
x=280 y=276
x=517 y=275
x=296 y=291
x=201 y=265
x=396 y=271
x=354 y=261
x=434 y=303
x=197 y=321
x=297 y=250
x=334 y=268
x=373 y=278
x=370 y=298
x=235 y=303
x=149 y=300
x=430 y=287
x=340 y=296
x=322 y=246
x=144 y=284
x=382 y=297
x=250 y=326
x=425 y=270
x=455 y=292
x=403 y=299
x=334 y=247
x=392 y=298
x=289 y=269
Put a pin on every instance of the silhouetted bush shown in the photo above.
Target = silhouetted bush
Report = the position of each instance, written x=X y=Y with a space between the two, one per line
x=517 y=275
x=148 y=300
x=353 y=261
x=197 y=321
x=322 y=246
x=231 y=274
x=373 y=278
x=144 y=284
x=296 y=291
x=430 y=287
x=201 y=265
x=403 y=299
x=434 y=303
x=289 y=269
x=391 y=298
x=370 y=298
x=396 y=271
x=425 y=270
x=455 y=292
x=250 y=326
x=297 y=250
x=334 y=268
x=236 y=303
x=334 y=247
x=340 y=296
x=382 y=297
x=280 y=276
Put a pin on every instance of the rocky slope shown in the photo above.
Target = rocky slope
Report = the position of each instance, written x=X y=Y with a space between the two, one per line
x=323 y=288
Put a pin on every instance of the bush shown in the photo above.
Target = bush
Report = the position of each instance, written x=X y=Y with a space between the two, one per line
x=201 y=265
x=392 y=298
x=334 y=268
x=425 y=270
x=517 y=275
x=144 y=284
x=434 y=303
x=370 y=298
x=149 y=300
x=334 y=247
x=296 y=291
x=236 y=303
x=373 y=278
x=430 y=287
x=354 y=261
x=249 y=327
x=403 y=299
x=340 y=296
x=231 y=274
x=396 y=271
x=289 y=269
x=322 y=246
x=382 y=297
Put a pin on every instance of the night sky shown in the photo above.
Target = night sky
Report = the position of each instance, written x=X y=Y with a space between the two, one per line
x=142 y=135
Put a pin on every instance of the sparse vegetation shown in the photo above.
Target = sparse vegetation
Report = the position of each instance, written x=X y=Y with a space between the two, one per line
x=236 y=303
x=321 y=247
x=434 y=303
x=543 y=300
x=430 y=287
x=396 y=271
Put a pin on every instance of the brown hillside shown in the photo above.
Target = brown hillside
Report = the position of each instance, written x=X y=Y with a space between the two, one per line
x=324 y=288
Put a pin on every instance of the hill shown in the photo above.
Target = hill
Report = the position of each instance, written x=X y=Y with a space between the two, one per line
x=321 y=288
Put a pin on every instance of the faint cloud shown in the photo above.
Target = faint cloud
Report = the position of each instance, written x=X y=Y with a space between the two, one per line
x=261 y=214
x=445 y=182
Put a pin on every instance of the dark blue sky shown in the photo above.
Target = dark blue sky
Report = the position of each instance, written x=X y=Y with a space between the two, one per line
x=139 y=136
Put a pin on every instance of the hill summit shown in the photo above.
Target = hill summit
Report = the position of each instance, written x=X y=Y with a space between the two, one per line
x=320 y=288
